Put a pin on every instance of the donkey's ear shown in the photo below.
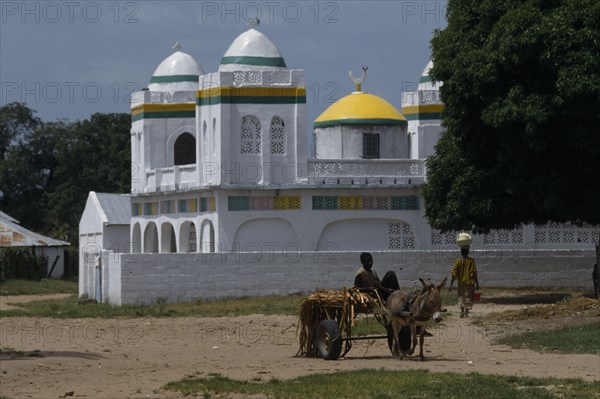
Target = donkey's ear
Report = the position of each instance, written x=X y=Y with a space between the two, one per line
x=442 y=284
x=423 y=282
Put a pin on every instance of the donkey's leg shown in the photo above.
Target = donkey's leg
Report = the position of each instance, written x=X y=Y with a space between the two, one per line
x=396 y=343
x=421 y=340
x=413 y=333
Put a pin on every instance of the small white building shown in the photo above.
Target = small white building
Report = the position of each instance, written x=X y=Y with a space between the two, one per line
x=12 y=234
x=104 y=225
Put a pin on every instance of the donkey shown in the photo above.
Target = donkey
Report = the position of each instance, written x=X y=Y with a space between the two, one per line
x=423 y=306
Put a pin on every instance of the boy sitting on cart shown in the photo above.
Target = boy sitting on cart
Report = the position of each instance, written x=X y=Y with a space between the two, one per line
x=366 y=278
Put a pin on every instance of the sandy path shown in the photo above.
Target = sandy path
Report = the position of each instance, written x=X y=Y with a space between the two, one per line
x=131 y=358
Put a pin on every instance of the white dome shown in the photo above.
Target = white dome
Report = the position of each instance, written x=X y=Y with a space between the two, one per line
x=425 y=82
x=178 y=72
x=252 y=51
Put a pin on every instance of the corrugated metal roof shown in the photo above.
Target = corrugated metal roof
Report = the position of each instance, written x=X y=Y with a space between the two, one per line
x=9 y=218
x=12 y=234
x=117 y=207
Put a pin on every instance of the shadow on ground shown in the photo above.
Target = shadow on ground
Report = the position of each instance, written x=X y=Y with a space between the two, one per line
x=13 y=354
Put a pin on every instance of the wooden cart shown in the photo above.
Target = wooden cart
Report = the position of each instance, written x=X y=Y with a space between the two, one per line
x=327 y=317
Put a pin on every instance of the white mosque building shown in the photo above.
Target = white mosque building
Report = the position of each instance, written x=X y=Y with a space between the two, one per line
x=221 y=165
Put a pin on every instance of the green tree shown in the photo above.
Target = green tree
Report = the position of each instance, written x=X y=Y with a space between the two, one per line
x=521 y=88
x=94 y=155
x=49 y=168
x=27 y=166
x=17 y=122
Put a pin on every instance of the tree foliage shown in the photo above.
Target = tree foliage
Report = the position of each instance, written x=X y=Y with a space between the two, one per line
x=48 y=168
x=521 y=88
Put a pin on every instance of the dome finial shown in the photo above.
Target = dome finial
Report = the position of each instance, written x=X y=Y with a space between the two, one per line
x=253 y=23
x=358 y=82
x=177 y=46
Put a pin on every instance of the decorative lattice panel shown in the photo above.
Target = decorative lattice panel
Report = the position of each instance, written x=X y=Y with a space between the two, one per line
x=503 y=237
x=187 y=205
x=368 y=203
x=151 y=208
x=167 y=207
x=250 y=135
x=401 y=236
x=256 y=203
x=136 y=209
x=439 y=238
x=277 y=136
x=192 y=246
x=555 y=233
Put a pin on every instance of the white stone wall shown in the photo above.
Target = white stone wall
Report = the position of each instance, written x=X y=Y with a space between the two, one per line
x=143 y=278
x=346 y=142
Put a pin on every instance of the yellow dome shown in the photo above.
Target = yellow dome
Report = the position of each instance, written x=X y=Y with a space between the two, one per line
x=360 y=108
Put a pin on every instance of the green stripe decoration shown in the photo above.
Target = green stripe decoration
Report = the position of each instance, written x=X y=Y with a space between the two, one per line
x=425 y=79
x=174 y=79
x=361 y=121
x=251 y=100
x=256 y=61
x=424 y=116
x=163 y=115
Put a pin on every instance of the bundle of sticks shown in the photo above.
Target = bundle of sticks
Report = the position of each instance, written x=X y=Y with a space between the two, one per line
x=338 y=305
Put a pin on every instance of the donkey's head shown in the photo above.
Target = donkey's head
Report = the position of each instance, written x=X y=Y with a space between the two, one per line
x=432 y=302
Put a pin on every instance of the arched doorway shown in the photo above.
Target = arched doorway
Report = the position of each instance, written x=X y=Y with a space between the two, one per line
x=188 y=238
x=208 y=236
x=167 y=238
x=151 y=238
x=136 y=240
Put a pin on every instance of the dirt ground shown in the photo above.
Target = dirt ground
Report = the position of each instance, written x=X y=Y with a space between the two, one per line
x=134 y=358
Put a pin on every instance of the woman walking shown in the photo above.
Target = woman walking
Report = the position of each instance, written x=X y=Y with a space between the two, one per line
x=465 y=272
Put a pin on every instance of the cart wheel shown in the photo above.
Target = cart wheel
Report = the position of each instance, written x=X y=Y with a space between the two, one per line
x=329 y=340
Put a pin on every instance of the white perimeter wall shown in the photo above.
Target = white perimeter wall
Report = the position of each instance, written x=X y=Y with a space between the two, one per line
x=143 y=278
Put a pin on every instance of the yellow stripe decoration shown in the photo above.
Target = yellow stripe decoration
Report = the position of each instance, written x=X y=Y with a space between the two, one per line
x=154 y=111
x=251 y=95
x=423 y=111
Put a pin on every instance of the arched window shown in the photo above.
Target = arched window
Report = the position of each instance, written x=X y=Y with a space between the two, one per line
x=277 y=136
x=204 y=141
x=250 y=138
x=185 y=150
x=214 y=136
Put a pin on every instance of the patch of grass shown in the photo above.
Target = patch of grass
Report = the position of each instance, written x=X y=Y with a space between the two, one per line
x=44 y=286
x=578 y=339
x=70 y=308
x=383 y=384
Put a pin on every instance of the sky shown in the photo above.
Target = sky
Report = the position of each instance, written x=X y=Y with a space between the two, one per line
x=69 y=59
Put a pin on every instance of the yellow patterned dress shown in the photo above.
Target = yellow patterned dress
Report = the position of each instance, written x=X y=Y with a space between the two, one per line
x=465 y=272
